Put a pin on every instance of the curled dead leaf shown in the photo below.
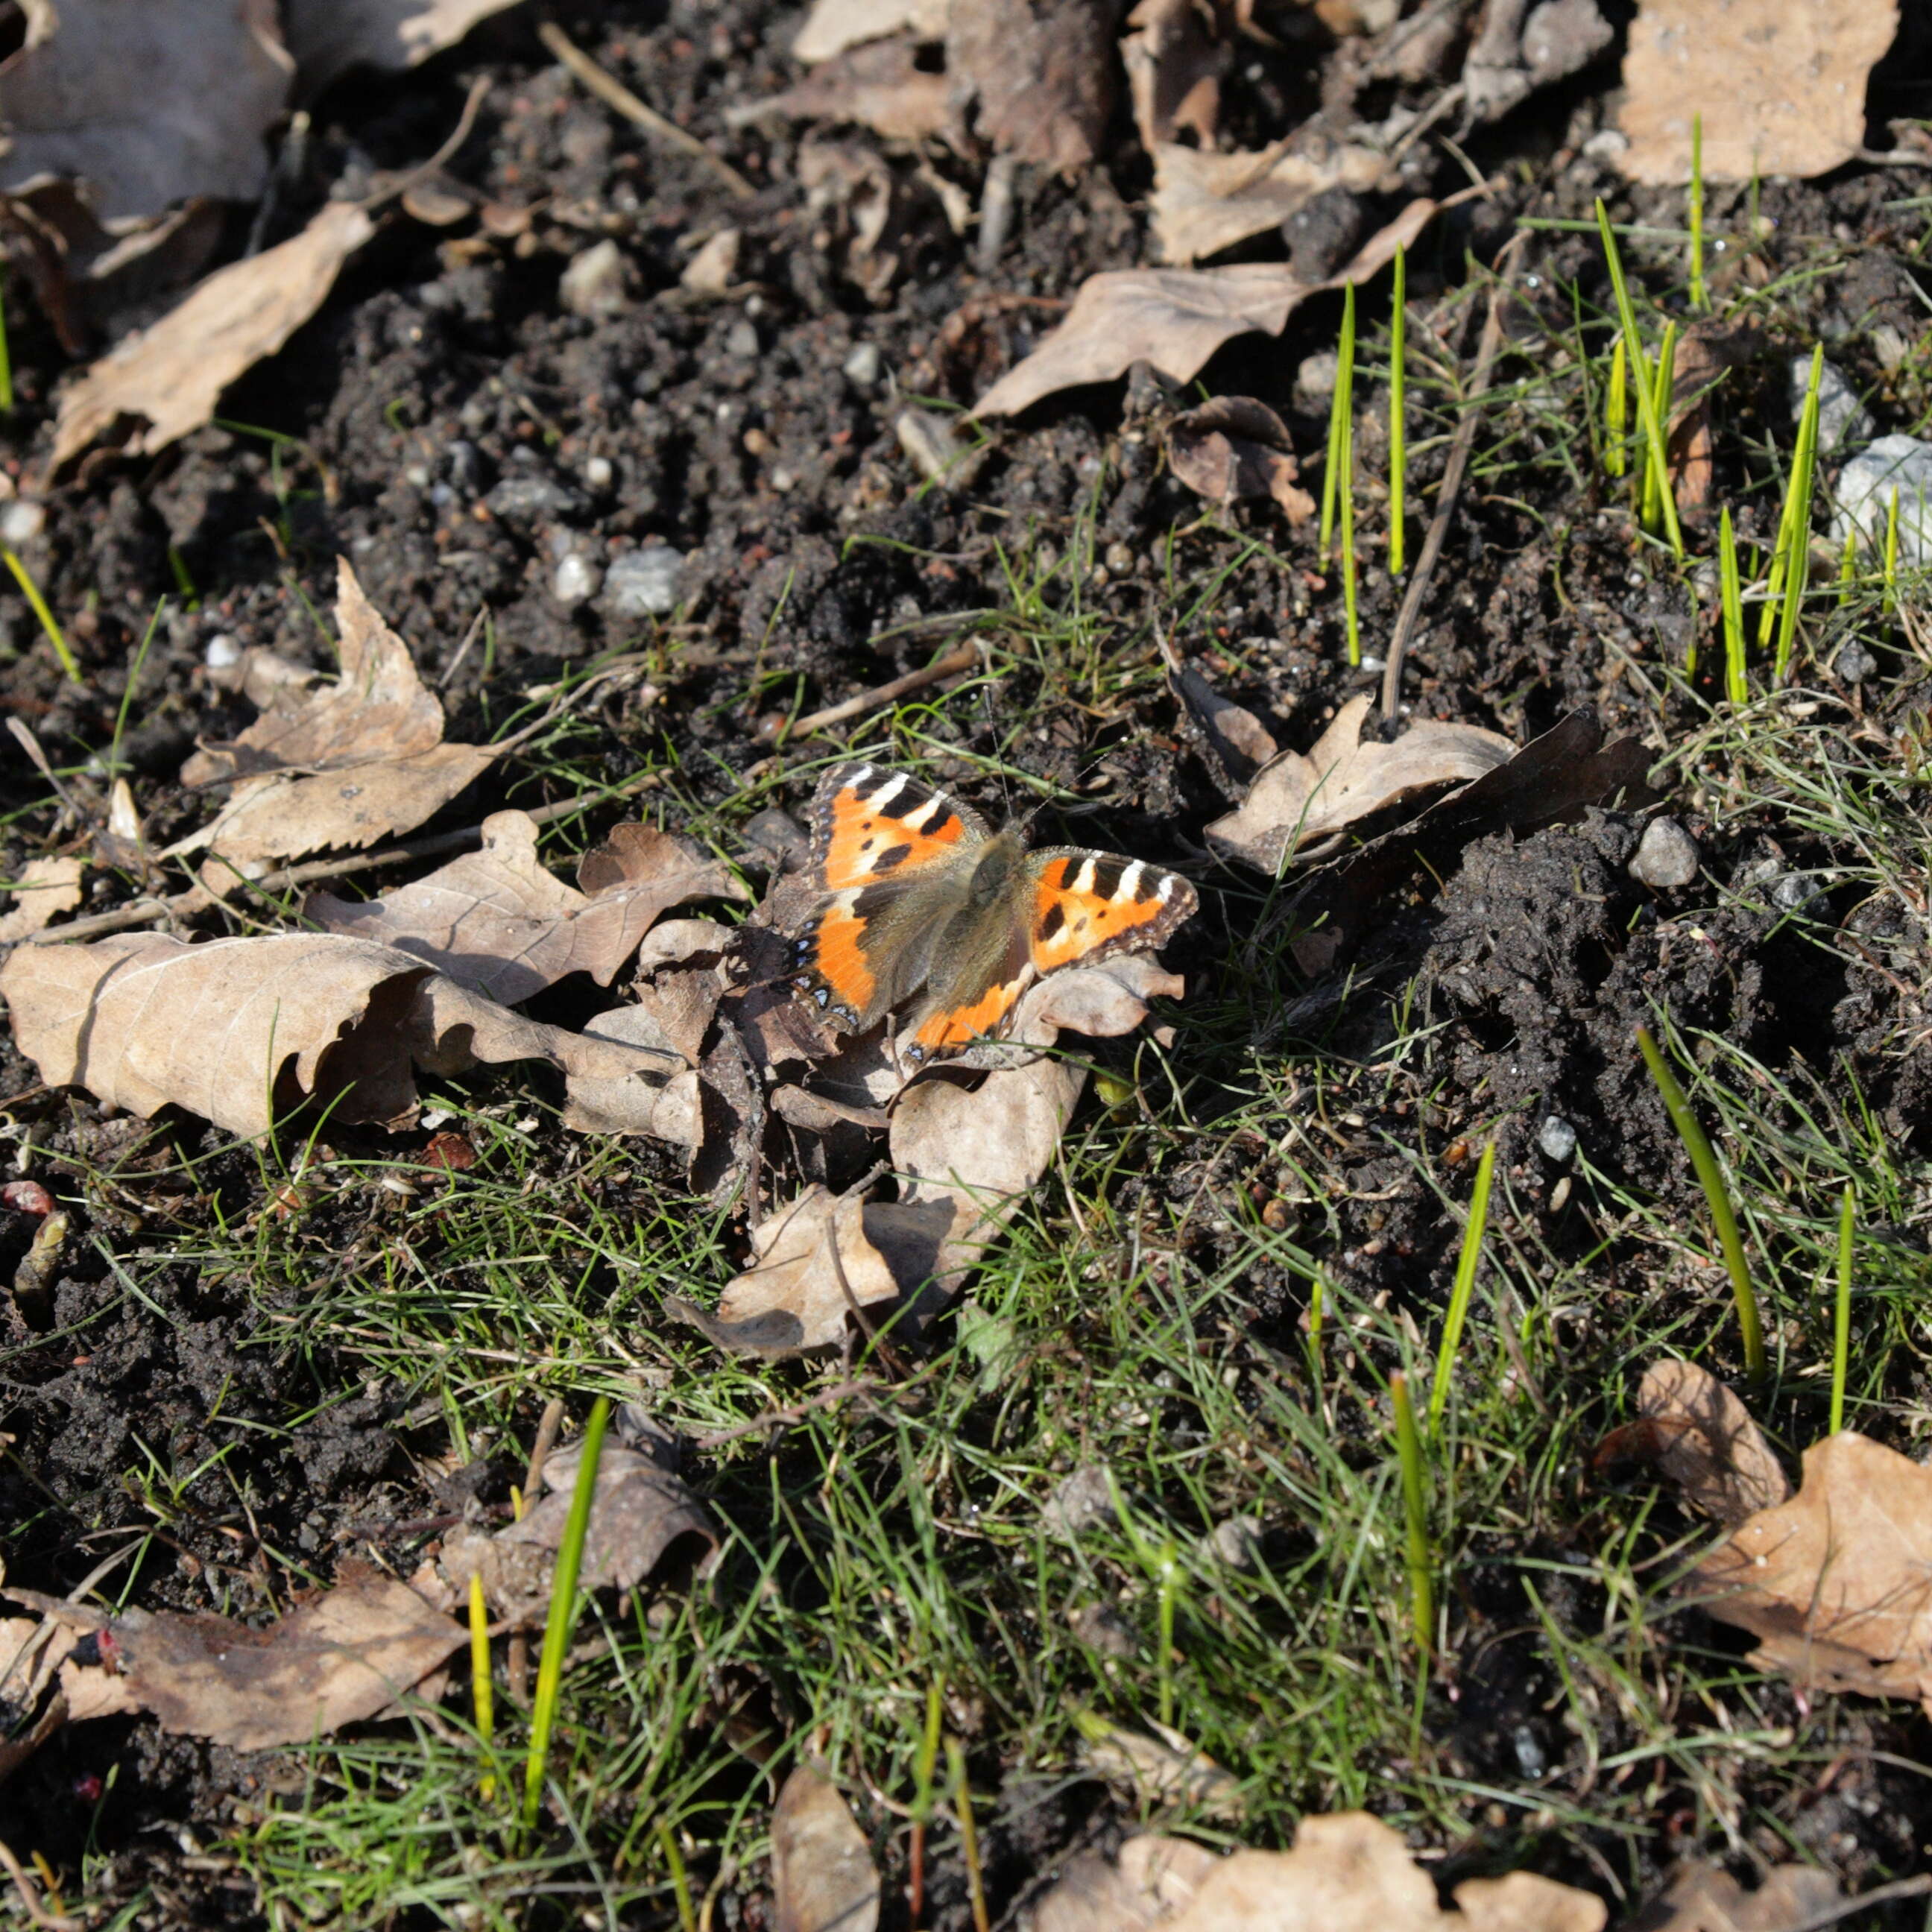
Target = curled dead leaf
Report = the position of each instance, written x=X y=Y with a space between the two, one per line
x=1175 y=64
x=880 y=85
x=1703 y=1439
x=1703 y=1898
x=46 y=889
x=1036 y=75
x=241 y=1031
x=328 y=36
x=1348 y=1873
x=823 y=1876
x=1203 y=202
x=338 y=763
x=1175 y=318
x=833 y=25
x=499 y=920
x=1234 y=447
x=1300 y=803
x=118 y=98
x=1781 y=89
x=1836 y=1582
x=171 y=375
x=642 y=1515
x=1163 y=1771
x=1552 y=779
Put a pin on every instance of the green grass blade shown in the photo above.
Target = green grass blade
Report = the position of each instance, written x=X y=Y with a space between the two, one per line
x=483 y=1700
x=1398 y=423
x=1891 y=553
x=31 y=592
x=1616 y=412
x=1736 y=688
x=1841 y=1314
x=1804 y=463
x=1699 y=298
x=562 y=1612
x=1415 y=1515
x=1640 y=380
x=1656 y=475
x=1704 y=1160
x=1466 y=1264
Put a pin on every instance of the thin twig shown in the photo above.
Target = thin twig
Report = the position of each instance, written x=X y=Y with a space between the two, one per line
x=784 y=1418
x=422 y=172
x=199 y=899
x=614 y=94
x=1459 y=451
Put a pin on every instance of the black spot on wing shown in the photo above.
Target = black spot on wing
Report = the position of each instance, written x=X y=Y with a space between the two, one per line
x=893 y=855
x=1107 y=875
x=1056 y=917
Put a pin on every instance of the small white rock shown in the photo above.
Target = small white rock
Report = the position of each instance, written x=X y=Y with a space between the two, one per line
x=711 y=272
x=1667 y=856
x=1865 y=486
x=222 y=652
x=863 y=366
x=1841 y=416
x=1557 y=1138
x=22 y=521
x=575 y=580
x=643 y=583
x=593 y=285
x=598 y=472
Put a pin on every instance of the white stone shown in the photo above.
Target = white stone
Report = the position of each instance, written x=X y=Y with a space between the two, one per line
x=222 y=651
x=22 y=521
x=1667 y=856
x=575 y=580
x=643 y=583
x=1841 y=416
x=863 y=366
x=593 y=285
x=1865 y=484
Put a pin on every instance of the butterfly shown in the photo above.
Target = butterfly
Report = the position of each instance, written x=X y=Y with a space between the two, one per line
x=918 y=898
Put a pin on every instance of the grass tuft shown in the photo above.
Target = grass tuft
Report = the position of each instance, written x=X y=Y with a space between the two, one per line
x=1417 y=1555
x=1467 y=1262
x=1640 y=379
x=1731 y=592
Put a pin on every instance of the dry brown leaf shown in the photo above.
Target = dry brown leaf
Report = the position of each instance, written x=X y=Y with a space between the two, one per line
x=1234 y=447
x=327 y=37
x=1836 y=1582
x=343 y=1655
x=239 y=1030
x=337 y=763
x=823 y=1876
x=1703 y=1898
x=499 y=920
x=171 y=377
x=1164 y=1771
x=833 y=25
x=641 y=1512
x=1228 y=735
x=46 y=889
x=1037 y=76
x=1204 y=202
x=880 y=86
x=1301 y=802
x=1348 y=1873
x=1707 y=1443
x=145 y=104
x=1175 y=318
x=1781 y=88
x=1175 y=63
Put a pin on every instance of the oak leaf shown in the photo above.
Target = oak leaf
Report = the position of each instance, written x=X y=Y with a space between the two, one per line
x=1174 y=318
x=46 y=889
x=1204 y=202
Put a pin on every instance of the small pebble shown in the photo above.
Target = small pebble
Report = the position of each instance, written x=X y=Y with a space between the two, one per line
x=863 y=366
x=1235 y=1541
x=22 y=521
x=643 y=583
x=1667 y=856
x=466 y=465
x=1557 y=1138
x=528 y=500
x=1079 y=1502
x=1795 y=892
x=417 y=475
x=1854 y=664
x=1315 y=380
x=221 y=652
x=1841 y=417
x=575 y=580
x=593 y=285
x=1529 y=1758
x=598 y=472
x=742 y=341
x=1120 y=558
x=1903 y=463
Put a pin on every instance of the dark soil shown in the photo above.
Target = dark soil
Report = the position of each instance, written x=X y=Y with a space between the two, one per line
x=458 y=433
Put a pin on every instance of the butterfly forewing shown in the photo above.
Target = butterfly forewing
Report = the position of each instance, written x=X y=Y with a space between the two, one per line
x=1085 y=904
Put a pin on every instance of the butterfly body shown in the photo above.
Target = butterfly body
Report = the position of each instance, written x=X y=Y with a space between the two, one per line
x=922 y=904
